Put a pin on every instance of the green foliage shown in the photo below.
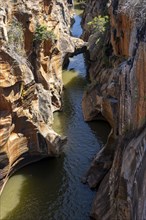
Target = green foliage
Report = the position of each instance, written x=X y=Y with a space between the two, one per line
x=16 y=37
x=42 y=33
x=99 y=23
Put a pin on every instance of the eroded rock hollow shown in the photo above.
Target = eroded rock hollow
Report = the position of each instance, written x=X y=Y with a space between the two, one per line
x=34 y=39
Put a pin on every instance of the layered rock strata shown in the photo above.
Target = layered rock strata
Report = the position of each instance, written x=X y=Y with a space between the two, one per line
x=34 y=39
x=118 y=94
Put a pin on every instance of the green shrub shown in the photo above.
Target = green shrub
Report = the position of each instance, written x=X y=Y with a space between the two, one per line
x=42 y=33
x=99 y=23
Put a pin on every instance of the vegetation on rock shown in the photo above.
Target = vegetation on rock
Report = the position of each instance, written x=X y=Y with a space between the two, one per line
x=42 y=33
x=99 y=23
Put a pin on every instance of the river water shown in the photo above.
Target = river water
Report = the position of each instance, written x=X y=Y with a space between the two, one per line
x=51 y=189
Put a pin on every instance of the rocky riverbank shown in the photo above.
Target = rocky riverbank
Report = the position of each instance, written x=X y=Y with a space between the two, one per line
x=34 y=40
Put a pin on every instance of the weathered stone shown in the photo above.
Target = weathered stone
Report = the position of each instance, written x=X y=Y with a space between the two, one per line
x=117 y=92
x=30 y=89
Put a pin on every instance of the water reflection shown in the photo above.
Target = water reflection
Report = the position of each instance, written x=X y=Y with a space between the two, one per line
x=76 y=30
x=10 y=198
x=83 y=142
x=33 y=191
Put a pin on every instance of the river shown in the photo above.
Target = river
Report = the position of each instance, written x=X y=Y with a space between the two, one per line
x=51 y=189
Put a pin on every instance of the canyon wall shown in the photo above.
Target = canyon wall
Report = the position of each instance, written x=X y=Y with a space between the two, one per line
x=117 y=94
x=34 y=39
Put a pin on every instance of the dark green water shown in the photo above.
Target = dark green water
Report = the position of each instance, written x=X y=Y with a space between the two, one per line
x=51 y=189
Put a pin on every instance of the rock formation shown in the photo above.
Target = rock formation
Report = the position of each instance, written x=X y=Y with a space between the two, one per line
x=118 y=94
x=34 y=40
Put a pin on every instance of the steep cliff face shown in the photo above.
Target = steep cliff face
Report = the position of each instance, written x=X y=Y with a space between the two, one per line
x=122 y=192
x=34 y=39
x=118 y=93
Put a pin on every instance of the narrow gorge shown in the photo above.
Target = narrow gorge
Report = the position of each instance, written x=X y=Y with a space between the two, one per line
x=73 y=100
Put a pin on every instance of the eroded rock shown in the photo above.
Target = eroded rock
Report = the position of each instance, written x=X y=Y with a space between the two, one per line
x=31 y=80
x=117 y=92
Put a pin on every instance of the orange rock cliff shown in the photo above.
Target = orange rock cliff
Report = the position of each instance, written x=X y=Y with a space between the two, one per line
x=34 y=40
x=117 y=94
